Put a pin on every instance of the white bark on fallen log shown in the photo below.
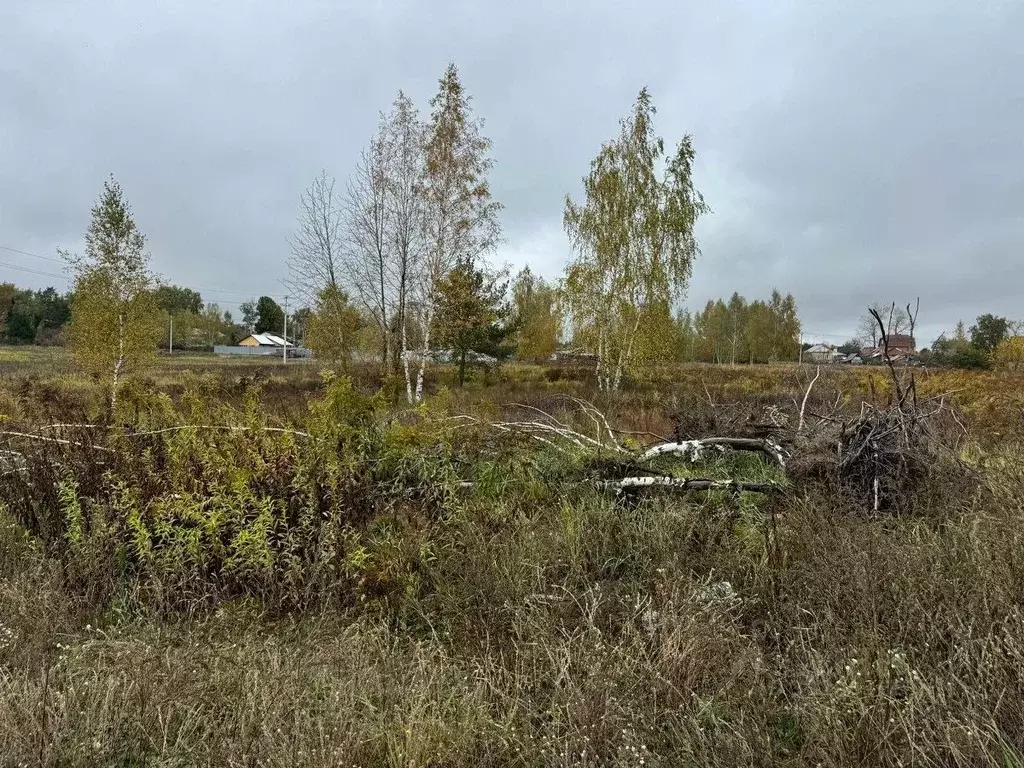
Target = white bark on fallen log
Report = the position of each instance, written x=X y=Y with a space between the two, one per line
x=59 y=441
x=689 y=484
x=694 y=448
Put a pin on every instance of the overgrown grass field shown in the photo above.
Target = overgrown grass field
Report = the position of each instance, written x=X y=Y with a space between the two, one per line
x=250 y=565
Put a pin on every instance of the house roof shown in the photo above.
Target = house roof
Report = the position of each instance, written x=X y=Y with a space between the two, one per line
x=269 y=340
x=878 y=353
x=822 y=349
x=901 y=340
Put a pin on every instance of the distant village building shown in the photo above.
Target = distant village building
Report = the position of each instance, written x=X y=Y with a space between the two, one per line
x=267 y=344
x=822 y=353
x=263 y=340
x=900 y=349
x=573 y=357
x=901 y=344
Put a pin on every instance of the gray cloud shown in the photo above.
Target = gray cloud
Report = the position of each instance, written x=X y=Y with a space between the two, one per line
x=851 y=152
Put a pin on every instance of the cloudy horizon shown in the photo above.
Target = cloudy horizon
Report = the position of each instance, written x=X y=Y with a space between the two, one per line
x=850 y=153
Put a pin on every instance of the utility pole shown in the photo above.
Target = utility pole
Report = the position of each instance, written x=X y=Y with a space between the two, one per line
x=170 y=341
x=801 y=353
x=285 y=358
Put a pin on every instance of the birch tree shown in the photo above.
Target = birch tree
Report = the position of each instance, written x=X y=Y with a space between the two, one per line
x=250 y=315
x=317 y=244
x=115 y=324
x=368 y=213
x=737 y=313
x=633 y=235
x=460 y=218
x=755 y=331
x=384 y=230
x=404 y=135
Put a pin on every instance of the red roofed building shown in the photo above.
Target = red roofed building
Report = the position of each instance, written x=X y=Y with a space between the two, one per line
x=900 y=346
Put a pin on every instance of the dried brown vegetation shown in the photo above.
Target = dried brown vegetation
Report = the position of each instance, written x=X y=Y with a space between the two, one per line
x=309 y=580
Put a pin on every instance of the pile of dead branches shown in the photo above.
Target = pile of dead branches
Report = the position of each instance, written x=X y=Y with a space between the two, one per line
x=889 y=454
x=890 y=457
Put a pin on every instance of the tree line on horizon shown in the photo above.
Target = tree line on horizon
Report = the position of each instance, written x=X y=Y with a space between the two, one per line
x=396 y=265
x=398 y=261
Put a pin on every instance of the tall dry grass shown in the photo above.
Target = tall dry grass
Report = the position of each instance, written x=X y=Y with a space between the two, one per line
x=536 y=622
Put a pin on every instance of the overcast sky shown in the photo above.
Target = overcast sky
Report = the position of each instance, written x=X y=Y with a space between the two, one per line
x=851 y=152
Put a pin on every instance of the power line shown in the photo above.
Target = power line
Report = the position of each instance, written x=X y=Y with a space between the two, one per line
x=33 y=255
x=32 y=271
x=225 y=294
x=247 y=294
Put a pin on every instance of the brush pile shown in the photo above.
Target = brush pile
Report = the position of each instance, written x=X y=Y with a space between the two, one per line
x=887 y=457
x=890 y=458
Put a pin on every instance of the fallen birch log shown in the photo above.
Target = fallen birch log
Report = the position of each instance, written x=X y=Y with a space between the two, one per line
x=688 y=484
x=694 y=448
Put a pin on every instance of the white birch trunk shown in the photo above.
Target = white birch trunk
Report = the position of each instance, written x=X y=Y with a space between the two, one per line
x=119 y=363
x=627 y=353
x=424 y=354
x=405 y=364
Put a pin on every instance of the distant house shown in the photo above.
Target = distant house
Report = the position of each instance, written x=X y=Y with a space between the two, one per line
x=822 y=353
x=900 y=344
x=262 y=344
x=573 y=357
x=264 y=340
x=899 y=349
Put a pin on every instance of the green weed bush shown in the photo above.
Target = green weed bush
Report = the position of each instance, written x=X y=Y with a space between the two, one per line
x=198 y=502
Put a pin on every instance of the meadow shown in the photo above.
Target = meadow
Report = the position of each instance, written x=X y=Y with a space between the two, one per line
x=254 y=565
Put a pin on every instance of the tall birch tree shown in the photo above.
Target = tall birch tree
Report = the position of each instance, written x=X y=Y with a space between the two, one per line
x=460 y=218
x=404 y=135
x=537 y=317
x=384 y=231
x=633 y=234
x=368 y=220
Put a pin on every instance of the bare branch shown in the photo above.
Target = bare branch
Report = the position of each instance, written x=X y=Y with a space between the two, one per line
x=803 y=405
x=885 y=352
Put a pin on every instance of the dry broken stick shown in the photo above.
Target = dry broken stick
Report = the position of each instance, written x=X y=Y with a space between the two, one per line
x=803 y=405
x=550 y=431
x=57 y=440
